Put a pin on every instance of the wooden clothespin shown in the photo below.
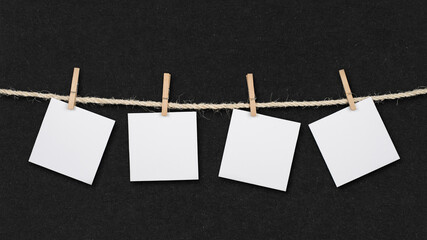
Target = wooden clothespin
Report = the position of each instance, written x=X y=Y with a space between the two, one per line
x=165 y=95
x=252 y=104
x=73 y=92
x=347 y=90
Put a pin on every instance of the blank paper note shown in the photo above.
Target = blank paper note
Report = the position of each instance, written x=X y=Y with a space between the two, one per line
x=163 y=148
x=259 y=150
x=354 y=143
x=71 y=142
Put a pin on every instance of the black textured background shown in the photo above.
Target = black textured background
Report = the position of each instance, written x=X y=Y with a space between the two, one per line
x=294 y=49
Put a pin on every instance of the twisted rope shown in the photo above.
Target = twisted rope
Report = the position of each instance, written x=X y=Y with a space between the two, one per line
x=212 y=106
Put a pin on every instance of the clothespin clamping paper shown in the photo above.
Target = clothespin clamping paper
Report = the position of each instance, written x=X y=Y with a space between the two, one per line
x=71 y=140
x=165 y=95
x=347 y=90
x=73 y=92
x=252 y=104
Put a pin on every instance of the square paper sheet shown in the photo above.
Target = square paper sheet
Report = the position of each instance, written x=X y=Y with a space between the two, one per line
x=163 y=148
x=259 y=150
x=354 y=143
x=71 y=142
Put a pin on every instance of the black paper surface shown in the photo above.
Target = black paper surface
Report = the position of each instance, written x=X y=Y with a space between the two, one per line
x=294 y=49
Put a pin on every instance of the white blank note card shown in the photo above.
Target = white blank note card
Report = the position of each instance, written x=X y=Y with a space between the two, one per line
x=354 y=143
x=71 y=142
x=259 y=150
x=163 y=148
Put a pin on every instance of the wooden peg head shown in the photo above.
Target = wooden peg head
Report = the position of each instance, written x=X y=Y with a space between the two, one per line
x=165 y=95
x=251 y=90
x=347 y=90
x=73 y=92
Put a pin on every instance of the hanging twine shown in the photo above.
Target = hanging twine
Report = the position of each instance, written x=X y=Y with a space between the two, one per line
x=211 y=106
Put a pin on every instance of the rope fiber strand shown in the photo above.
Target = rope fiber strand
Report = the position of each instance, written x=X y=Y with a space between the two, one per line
x=210 y=106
